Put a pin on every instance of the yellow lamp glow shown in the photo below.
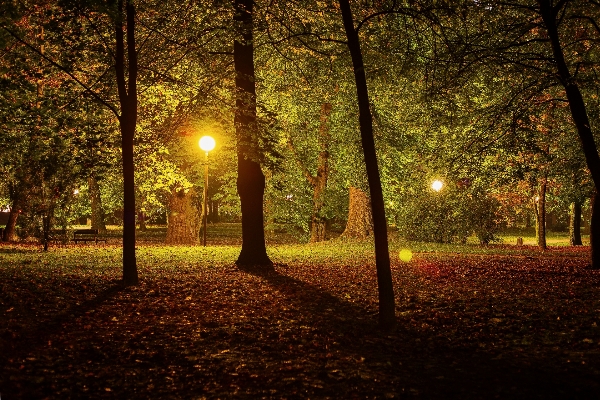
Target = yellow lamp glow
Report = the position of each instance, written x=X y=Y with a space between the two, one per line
x=437 y=185
x=206 y=143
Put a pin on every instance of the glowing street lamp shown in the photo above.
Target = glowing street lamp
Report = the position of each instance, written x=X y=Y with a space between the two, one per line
x=437 y=185
x=206 y=143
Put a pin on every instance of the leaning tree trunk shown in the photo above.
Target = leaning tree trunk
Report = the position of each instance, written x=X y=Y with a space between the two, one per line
x=575 y=224
x=540 y=214
x=387 y=316
x=251 y=180
x=127 y=90
x=360 y=218
x=184 y=220
x=550 y=14
x=96 y=205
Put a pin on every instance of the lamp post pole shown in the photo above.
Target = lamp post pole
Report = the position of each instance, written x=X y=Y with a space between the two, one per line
x=205 y=199
x=206 y=143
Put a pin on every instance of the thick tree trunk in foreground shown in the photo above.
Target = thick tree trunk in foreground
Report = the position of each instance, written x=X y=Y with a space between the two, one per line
x=540 y=215
x=387 y=316
x=96 y=205
x=575 y=224
x=360 y=218
x=127 y=121
x=549 y=15
x=251 y=180
x=184 y=220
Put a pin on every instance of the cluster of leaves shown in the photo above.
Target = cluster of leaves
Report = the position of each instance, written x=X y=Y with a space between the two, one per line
x=470 y=326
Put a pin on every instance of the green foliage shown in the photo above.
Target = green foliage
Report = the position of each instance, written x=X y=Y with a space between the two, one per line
x=449 y=216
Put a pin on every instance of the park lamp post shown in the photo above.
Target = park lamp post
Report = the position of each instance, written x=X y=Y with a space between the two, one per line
x=206 y=143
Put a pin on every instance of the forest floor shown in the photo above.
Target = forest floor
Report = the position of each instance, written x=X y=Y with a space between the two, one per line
x=490 y=322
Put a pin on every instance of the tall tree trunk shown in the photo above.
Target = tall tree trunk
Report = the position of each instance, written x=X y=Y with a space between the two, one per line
x=387 y=316
x=251 y=180
x=595 y=231
x=127 y=90
x=575 y=224
x=577 y=106
x=318 y=222
x=318 y=226
x=184 y=220
x=360 y=218
x=540 y=213
x=96 y=205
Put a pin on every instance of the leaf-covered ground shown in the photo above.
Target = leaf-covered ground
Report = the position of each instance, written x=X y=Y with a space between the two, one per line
x=497 y=325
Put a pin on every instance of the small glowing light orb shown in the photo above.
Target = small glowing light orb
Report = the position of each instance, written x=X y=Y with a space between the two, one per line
x=207 y=143
x=437 y=185
x=405 y=255
x=76 y=191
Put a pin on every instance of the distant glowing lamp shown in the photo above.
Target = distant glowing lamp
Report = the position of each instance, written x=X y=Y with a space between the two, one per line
x=206 y=143
x=76 y=191
x=437 y=185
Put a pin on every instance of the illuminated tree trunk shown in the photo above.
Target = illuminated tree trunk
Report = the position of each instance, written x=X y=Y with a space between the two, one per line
x=251 y=180
x=387 y=316
x=360 y=218
x=319 y=180
x=9 y=233
x=575 y=224
x=184 y=220
x=96 y=205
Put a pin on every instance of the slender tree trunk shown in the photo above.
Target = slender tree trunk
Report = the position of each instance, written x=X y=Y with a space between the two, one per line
x=128 y=120
x=184 y=221
x=318 y=222
x=360 y=218
x=387 y=317
x=575 y=224
x=577 y=106
x=540 y=213
x=251 y=180
x=141 y=219
x=96 y=205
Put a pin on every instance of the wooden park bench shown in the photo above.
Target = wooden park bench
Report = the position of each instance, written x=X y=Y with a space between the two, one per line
x=86 y=235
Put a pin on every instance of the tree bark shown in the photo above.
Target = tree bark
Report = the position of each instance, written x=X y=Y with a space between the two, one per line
x=595 y=231
x=387 y=317
x=360 y=218
x=127 y=121
x=318 y=226
x=96 y=205
x=577 y=106
x=251 y=180
x=9 y=233
x=540 y=213
x=575 y=224
x=184 y=220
